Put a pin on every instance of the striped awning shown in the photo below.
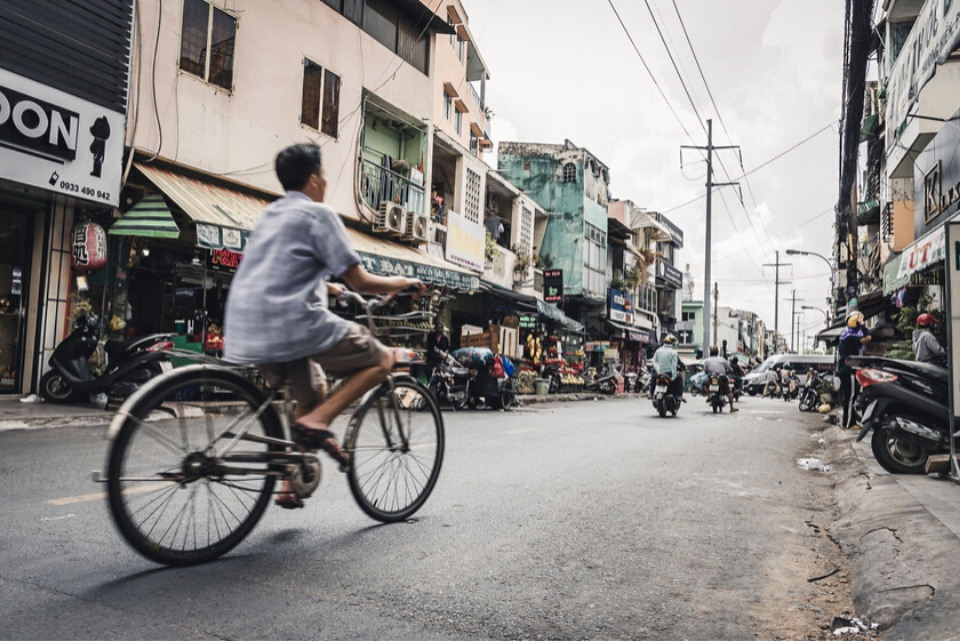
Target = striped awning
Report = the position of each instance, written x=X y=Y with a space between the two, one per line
x=150 y=218
x=224 y=216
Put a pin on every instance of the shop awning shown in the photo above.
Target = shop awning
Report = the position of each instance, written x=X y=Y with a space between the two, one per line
x=630 y=332
x=521 y=301
x=552 y=312
x=149 y=218
x=223 y=216
x=386 y=258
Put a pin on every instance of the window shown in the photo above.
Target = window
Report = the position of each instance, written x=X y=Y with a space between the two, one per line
x=395 y=31
x=458 y=122
x=447 y=106
x=352 y=10
x=471 y=197
x=594 y=259
x=207 y=41
x=569 y=173
x=320 y=106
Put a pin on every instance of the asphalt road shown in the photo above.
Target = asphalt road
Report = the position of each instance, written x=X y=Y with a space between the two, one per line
x=588 y=520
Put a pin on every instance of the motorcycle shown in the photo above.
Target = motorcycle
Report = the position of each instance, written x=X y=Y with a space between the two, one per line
x=663 y=400
x=605 y=382
x=718 y=400
x=450 y=382
x=906 y=405
x=551 y=373
x=126 y=366
x=809 y=395
x=789 y=388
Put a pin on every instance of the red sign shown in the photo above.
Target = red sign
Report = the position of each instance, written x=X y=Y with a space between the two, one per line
x=89 y=248
x=224 y=259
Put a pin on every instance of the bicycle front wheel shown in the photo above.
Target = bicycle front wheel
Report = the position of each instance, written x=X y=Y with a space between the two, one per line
x=396 y=444
x=190 y=470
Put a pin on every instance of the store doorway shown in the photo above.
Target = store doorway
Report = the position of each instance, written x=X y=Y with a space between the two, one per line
x=16 y=234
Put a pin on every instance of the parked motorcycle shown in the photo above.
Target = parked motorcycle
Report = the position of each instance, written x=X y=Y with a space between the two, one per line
x=605 y=382
x=551 y=373
x=718 y=400
x=450 y=382
x=663 y=400
x=906 y=405
x=127 y=364
x=809 y=395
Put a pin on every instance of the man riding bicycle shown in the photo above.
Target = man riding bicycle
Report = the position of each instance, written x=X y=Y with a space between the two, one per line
x=277 y=314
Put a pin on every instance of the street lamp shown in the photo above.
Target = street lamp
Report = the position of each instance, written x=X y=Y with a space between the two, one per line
x=798 y=252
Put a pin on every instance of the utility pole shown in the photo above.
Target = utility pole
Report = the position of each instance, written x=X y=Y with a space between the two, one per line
x=793 y=319
x=776 y=294
x=707 y=284
x=716 y=300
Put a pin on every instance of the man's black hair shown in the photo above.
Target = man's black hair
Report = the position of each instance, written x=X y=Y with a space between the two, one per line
x=714 y=351
x=296 y=163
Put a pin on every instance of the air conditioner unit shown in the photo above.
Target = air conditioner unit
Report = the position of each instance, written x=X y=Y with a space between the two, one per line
x=417 y=225
x=391 y=218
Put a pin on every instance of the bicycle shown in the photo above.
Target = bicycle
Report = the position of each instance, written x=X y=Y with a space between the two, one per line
x=197 y=451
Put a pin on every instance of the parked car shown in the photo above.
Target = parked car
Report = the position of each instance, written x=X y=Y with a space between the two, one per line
x=754 y=381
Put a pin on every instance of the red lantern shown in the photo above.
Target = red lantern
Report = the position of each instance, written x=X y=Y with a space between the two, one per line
x=89 y=248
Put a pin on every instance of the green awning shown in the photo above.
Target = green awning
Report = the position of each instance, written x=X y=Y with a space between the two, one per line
x=868 y=212
x=150 y=218
x=869 y=127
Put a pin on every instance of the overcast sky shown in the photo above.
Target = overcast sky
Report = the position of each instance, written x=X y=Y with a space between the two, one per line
x=568 y=70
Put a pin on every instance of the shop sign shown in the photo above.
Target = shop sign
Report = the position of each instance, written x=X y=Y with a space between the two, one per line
x=669 y=274
x=621 y=306
x=223 y=259
x=89 y=248
x=528 y=321
x=922 y=254
x=466 y=242
x=217 y=237
x=429 y=274
x=58 y=142
x=553 y=285
x=676 y=234
x=937 y=178
x=934 y=35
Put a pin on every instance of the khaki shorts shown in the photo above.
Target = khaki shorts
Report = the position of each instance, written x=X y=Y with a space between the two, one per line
x=356 y=351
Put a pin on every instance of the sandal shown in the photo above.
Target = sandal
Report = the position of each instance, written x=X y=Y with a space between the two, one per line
x=322 y=440
x=288 y=501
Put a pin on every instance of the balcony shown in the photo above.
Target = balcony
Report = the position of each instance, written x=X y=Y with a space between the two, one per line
x=377 y=184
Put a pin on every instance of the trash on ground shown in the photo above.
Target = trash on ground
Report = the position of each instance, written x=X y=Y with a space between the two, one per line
x=850 y=625
x=813 y=464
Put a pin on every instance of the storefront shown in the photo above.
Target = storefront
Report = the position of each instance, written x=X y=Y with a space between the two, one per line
x=61 y=150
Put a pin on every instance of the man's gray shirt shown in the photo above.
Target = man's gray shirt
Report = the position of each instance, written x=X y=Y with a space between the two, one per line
x=716 y=365
x=277 y=307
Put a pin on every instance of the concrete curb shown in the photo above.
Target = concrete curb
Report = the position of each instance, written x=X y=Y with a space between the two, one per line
x=905 y=566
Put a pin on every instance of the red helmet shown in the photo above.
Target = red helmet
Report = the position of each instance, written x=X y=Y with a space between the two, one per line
x=926 y=320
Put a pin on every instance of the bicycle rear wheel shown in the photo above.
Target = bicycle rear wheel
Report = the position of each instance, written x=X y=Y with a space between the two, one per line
x=396 y=443
x=182 y=488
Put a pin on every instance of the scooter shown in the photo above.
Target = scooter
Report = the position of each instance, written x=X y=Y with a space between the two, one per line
x=717 y=400
x=551 y=373
x=809 y=396
x=450 y=382
x=128 y=365
x=663 y=400
x=605 y=382
x=906 y=405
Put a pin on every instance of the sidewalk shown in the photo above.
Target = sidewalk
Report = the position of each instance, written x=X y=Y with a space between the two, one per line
x=901 y=533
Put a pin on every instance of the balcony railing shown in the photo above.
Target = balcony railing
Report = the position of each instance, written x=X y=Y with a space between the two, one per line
x=377 y=184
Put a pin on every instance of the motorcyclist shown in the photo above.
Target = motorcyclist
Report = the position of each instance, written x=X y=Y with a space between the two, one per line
x=717 y=365
x=788 y=380
x=736 y=373
x=666 y=361
x=926 y=348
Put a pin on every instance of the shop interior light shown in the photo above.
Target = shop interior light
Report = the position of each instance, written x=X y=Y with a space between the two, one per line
x=196 y=259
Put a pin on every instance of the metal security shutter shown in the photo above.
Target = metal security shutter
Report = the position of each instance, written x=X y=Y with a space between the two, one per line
x=82 y=48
